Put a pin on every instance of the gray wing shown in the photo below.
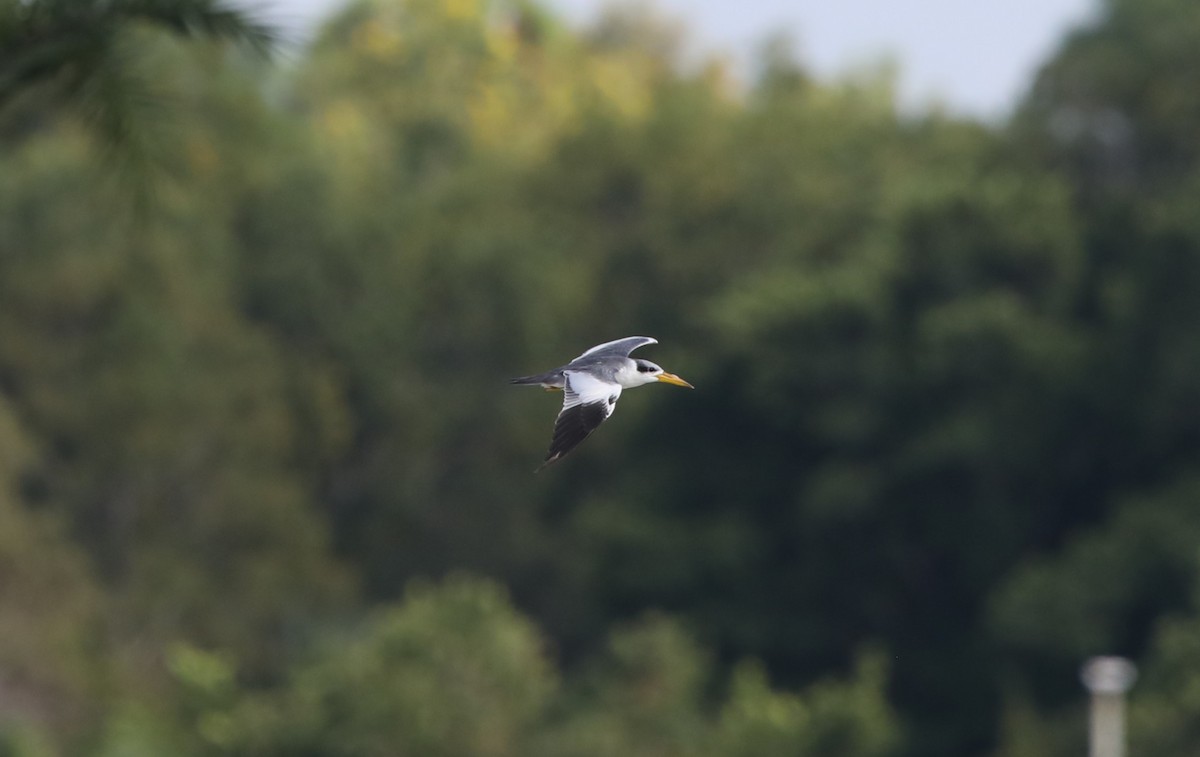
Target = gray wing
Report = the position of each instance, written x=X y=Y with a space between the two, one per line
x=587 y=402
x=618 y=347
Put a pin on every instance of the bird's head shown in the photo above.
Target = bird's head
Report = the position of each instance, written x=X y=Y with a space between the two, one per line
x=651 y=372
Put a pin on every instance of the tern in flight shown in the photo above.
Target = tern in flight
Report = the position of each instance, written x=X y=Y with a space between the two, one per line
x=591 y=385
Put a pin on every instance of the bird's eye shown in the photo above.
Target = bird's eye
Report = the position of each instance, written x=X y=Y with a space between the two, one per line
x=642 y=368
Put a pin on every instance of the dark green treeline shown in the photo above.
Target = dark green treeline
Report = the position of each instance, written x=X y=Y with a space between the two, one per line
x=264 y=491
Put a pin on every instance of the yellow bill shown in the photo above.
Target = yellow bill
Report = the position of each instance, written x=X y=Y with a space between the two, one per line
x=671 y=378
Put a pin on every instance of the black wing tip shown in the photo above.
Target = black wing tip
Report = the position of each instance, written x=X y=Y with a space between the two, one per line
x=573 y=426
x=554 y=455
x=549 y=461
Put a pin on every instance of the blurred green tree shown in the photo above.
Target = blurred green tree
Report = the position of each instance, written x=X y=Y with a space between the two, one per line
x=454 y=669
x=51 y=618
x=948 y=384
x=1165 y=712
x=85 y=53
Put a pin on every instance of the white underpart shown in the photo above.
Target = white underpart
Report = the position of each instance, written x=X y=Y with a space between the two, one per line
x=585 y=389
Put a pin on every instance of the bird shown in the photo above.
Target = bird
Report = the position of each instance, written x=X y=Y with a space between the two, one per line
x=591 y=385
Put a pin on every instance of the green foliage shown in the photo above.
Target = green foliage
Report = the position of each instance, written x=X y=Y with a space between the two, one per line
x=1097 y=593
x=642 y=698
x=948 y=378
x=1116 y=102
x=1165 y=718
x=830 y=718
x=51 y=620
x=91 y=56
x=453 y=670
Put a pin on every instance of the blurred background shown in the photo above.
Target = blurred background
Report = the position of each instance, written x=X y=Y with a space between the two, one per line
x=264 y=490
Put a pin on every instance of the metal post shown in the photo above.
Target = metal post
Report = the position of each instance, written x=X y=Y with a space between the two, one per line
x=1107 y=678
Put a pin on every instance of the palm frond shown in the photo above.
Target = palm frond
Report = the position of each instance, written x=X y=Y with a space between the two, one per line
x=79 y=54
x=45 y=40
x=209 y=19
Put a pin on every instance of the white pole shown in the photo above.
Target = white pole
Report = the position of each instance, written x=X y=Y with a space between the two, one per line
x=1107 y=678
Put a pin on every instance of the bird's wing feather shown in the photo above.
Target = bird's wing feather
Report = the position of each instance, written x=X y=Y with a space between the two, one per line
x=587 y=402
x=621 y=347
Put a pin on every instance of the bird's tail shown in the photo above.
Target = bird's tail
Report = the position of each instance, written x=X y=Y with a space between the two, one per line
x=549 y=377
x=551 y=380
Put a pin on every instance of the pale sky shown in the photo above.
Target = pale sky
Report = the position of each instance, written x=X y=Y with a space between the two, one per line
x=973 y=56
